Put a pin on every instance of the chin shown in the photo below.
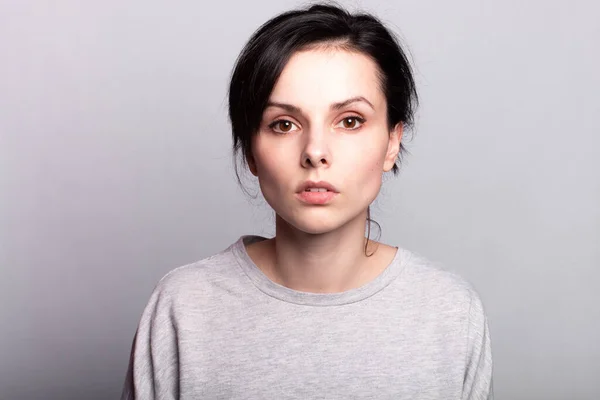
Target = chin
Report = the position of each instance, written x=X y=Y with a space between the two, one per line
x=313 y=224
x=315 y=229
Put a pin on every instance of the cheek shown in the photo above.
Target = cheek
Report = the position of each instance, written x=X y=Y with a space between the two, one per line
x=366 y=168
x=364 y=157
x=272 y=166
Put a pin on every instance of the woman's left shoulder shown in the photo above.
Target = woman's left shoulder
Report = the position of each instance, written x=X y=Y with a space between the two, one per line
x=435 y=280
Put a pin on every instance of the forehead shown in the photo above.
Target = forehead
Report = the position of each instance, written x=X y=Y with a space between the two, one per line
x=318 y=77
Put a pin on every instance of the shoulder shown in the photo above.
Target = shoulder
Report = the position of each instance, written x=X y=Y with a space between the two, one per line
x=199 y=276
x=188 y=290
x=435 y=284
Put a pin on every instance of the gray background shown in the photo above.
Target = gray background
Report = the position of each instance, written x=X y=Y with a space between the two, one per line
x=115 y=168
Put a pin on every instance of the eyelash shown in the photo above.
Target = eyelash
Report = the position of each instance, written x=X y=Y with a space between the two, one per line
x=360 y=120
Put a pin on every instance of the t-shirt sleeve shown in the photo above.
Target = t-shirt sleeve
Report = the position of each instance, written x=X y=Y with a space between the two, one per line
x=478 y=375
x=152 y=373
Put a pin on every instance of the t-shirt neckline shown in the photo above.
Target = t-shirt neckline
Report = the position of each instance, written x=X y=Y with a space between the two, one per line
x=273 y=289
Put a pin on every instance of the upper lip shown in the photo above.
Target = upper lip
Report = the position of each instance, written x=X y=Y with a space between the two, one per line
x=321 y=184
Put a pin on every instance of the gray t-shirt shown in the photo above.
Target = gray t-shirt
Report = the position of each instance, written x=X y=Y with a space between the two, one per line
x=221 y=329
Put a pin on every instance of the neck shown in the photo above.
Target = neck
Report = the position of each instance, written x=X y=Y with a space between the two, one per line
x=320 y=263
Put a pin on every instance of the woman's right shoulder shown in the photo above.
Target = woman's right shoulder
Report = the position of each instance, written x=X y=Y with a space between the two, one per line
x=198 y=275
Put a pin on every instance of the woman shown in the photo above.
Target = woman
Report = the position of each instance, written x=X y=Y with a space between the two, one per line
x=319 y=101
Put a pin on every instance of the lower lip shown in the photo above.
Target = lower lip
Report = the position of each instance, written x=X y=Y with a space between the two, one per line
x=316 y=197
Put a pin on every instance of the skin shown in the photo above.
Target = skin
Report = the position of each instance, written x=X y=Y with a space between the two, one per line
x=320 y=248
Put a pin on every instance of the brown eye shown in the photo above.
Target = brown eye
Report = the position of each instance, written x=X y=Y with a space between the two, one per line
x=282 y=126
x=352 y=123
x=285 y=126
x=349 y=123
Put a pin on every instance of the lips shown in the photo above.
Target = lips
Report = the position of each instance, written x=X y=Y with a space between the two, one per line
x=305 y=186
x=316 y=193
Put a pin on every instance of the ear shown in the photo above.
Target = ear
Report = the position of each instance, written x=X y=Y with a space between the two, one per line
x=393 y=148
x=251 y=163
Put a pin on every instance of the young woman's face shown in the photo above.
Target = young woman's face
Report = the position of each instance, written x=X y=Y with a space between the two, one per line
x=326 y=121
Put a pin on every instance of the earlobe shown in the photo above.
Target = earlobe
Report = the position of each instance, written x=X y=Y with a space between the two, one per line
x=393 y=147
x=251 y=164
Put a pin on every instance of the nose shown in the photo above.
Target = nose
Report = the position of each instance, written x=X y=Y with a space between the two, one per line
x=316 y=152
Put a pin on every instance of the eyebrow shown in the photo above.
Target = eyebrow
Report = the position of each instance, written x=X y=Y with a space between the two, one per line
x=335 y=106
